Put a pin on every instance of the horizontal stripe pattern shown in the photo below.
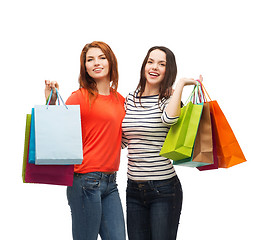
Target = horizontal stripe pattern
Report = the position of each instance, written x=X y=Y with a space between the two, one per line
x=145 y=127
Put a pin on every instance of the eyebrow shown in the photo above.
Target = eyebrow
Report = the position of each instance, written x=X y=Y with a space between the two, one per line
x=101 y=55
x=158 y=61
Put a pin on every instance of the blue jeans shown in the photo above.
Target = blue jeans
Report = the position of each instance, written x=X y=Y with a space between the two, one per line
x=153 y=209
x=96 y=207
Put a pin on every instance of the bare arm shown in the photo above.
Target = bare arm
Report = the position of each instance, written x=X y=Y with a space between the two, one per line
x=174 y=107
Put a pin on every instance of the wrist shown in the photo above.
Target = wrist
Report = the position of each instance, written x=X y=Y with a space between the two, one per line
x=180 y=84
x=52 y=102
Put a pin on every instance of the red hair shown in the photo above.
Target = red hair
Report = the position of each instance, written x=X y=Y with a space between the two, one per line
x=88 y=82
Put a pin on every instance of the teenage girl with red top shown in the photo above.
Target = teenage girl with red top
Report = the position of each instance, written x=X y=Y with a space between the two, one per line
x=94 y=199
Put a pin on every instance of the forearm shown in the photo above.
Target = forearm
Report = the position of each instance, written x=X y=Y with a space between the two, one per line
x=174 y=106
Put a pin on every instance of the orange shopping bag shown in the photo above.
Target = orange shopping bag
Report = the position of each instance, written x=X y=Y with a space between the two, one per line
x=228 y=150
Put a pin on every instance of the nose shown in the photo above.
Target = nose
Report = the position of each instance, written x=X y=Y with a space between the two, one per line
x=96 y=62
x=155 y=66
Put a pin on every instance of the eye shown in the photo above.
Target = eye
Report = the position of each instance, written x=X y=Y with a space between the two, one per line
x=102 y=57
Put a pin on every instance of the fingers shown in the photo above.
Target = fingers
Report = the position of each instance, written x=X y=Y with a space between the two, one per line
x=47 y=82
x=47 y=88
x=191 y=81
x=57 y=85
x=54 y=84
x=201 y=78
x=51 y=85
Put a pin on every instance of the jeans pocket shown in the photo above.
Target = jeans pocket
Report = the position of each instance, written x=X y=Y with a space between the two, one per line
x=90 y=181
x=91 y=184
x=165 y=191
x=168 y=188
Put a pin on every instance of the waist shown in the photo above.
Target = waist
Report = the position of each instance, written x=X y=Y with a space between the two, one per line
x=108 y=176
x=152 y=183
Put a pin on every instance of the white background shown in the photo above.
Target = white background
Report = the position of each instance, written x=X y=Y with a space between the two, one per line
x=43 y=40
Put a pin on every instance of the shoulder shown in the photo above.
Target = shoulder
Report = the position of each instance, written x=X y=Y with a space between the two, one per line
x=120 y=97
x=131 y=95
x=164 y=102
x=116 y=96
x=77 y=96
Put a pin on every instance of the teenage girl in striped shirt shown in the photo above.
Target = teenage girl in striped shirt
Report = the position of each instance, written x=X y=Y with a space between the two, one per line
x=154 y=193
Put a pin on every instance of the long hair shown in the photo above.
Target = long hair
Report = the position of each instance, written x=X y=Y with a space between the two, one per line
x=165 y=89
x=86 y=81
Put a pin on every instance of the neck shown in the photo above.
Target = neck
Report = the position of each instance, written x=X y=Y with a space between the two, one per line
x=103 y=87
x=150 y=90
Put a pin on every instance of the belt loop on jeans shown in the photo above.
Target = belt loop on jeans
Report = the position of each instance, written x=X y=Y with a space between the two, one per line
x=151 y=183
x=108 y=177
x=112 y=177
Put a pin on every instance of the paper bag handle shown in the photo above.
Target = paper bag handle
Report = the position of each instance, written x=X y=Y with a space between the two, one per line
x=204 y=91
x=196 y=95
x=58 y=97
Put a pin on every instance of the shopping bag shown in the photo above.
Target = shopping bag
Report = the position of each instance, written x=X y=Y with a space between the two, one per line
x=32 y=152
x=229 y=151
x=180 y=139
x=203 y=150
x=26 y=145
x=203 y=147
x=215 y=164
x=44 y=174
x=58 y=137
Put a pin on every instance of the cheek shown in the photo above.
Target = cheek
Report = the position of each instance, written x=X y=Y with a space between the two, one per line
x=163 y=72
x=104 y=63
x=146 y=71
x=87 y=66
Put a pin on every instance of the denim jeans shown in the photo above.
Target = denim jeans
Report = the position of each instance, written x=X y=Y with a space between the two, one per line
x=96 y=207
x=153 y=209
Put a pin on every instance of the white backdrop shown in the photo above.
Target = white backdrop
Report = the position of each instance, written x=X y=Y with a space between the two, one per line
x=43 y=40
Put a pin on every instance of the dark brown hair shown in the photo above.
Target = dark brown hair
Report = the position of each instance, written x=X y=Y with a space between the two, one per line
x=165 y=90
x=86 y=81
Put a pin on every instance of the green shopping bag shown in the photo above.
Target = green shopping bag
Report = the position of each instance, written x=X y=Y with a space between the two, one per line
x=180 y=139
x=26 y=145
x=202 y=154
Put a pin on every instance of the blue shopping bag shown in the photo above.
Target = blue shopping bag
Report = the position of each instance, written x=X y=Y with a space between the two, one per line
x=31 y=154
x=58 y=137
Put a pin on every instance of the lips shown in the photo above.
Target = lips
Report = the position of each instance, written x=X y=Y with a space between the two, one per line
x=97 y=69
x=154 y=74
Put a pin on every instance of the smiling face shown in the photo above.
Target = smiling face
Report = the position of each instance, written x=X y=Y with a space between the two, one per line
x=97 y=64
x=155 y=68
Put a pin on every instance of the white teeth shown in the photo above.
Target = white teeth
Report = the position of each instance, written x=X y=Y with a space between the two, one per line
x=154 y=74
x=97 y=69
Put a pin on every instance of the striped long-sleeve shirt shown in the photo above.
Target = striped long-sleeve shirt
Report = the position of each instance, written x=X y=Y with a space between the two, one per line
x=145 y=127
